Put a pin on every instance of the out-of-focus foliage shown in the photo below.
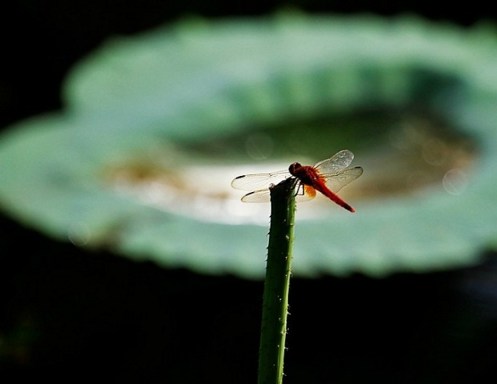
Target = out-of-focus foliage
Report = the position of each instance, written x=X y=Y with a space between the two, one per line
x=155 y=127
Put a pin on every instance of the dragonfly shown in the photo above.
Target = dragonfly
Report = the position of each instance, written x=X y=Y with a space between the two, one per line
x=327 y=177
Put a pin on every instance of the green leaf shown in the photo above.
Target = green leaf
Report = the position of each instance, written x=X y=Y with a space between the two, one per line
x=156 y=126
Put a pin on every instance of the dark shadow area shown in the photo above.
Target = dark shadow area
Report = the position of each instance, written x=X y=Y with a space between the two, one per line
x=70 y=314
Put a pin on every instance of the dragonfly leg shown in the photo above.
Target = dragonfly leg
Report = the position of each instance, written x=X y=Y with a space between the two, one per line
x=300 y=190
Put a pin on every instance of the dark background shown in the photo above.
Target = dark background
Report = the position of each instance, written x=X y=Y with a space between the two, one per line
x=69 y=315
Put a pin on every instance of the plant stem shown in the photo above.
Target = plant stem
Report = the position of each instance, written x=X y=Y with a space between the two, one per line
x=277 y=283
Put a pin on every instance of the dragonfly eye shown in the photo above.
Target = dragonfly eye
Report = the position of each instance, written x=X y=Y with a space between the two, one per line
x=293 y=167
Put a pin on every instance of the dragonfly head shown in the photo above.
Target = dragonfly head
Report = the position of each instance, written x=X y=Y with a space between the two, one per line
x=294 y=167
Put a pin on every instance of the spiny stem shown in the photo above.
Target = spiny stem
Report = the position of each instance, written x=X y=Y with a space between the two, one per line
x=277 y=283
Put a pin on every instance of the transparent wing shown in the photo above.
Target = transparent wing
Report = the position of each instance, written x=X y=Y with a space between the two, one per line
x=258 y=181
x=259 y=196
x=336 y=163
x=334 y=170
x=341 y=179
x=303 y=193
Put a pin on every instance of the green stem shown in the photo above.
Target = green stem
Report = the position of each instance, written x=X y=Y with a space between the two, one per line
x=277 y=283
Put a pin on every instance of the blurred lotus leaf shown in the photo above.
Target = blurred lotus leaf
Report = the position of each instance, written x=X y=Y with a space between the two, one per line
x=155 y=127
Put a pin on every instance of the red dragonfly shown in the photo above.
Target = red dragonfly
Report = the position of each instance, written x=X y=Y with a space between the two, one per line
x=327 y=176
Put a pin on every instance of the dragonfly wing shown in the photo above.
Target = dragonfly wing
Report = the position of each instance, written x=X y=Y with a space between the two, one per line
x=258 y=181
x=336 y=163
x=341 y=179
x=303 y=193
x=259 y=196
